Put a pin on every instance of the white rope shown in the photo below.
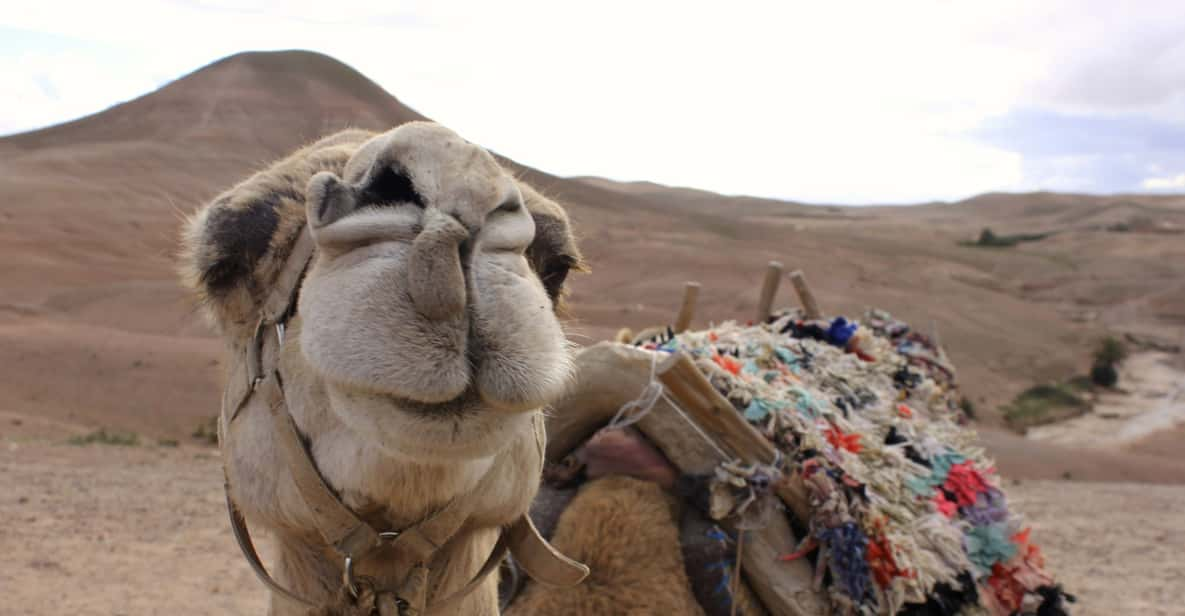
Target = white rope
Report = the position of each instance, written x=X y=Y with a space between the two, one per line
x=691 y=422
x=626 y=415
x=635 y=410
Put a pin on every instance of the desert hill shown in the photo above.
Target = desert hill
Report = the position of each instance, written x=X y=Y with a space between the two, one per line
x=95 y=331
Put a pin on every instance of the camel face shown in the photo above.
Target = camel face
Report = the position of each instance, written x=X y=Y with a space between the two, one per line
x=423 y=345
x=421 y=313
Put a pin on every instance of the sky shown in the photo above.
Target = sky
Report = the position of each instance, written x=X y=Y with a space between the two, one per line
x=825 y=102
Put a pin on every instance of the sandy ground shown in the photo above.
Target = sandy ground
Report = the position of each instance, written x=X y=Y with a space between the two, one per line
x=102 y=529
x=1117 y=546
x=117 y=530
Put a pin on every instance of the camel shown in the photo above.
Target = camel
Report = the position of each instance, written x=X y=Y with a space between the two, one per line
x=382 y=418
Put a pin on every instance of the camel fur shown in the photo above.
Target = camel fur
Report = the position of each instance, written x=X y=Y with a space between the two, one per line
x=624 y=529
x=648 y=551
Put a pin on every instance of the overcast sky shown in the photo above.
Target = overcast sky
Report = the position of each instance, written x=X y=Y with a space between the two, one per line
x=835 y=102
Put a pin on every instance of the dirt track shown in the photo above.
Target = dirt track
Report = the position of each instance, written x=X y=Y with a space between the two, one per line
x=103 y=530
x=1150 y=401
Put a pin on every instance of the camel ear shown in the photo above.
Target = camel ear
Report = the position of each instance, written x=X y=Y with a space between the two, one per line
x=553 y=253
x=327 y=199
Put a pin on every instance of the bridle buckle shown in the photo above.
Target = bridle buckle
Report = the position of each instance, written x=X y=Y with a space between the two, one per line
x=348 y=566
x=255 y=370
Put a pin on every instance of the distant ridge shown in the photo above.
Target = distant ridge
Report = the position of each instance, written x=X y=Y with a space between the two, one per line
x=282 y=98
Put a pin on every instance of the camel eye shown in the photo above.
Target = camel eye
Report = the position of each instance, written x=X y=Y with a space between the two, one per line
x=554 y=274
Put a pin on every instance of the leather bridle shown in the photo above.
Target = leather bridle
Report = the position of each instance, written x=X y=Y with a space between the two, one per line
x=255 y=380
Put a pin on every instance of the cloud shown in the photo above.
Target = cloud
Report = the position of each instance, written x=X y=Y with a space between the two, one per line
x=1084 y=152
x=43 y=87
x=796 y=100
x=1175 y=182
x=1095 y=55
x=1047 y=132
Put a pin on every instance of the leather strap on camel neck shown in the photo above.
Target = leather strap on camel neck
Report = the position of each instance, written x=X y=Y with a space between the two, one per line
x=415 y=548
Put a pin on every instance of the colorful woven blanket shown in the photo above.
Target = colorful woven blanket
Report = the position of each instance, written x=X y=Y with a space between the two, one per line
x=908 y=516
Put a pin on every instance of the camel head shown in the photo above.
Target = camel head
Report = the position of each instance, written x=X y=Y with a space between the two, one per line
x=429 y=310
x=423 y=312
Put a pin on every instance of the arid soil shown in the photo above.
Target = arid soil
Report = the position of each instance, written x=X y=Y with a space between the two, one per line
x=103 y=529
x=1117 y=546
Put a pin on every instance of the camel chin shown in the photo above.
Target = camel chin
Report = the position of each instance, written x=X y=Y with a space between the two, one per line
x=459 y=430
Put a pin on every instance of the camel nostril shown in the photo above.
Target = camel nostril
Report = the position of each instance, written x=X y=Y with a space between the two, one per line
x=391 y=186
x=509 y=207
x=465 y=251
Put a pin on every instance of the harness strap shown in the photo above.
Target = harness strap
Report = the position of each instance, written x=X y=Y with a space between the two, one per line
x=248 y=371
x=540 y=559
x=242 y=535
x=337 y=524
x=282 y=298
x=239 y=384
x=425 y=538
x=449 y=604
x=238 y=525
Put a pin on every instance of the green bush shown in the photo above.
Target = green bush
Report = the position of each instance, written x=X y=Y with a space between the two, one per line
x=988 y=238
x=968 y=407
x=207 y=431
x=1081 y=382
x=1111 y=351
x=1043 y=404
x=1104 y=375
x=104 y=437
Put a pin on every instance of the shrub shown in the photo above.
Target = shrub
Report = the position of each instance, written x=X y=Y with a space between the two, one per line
x=1104 y=375
x=1081 y=382
x=968 y=407
x=988 y=238
x=207 y=431
x=1111 y=351
x=104 y=437
x=1043 y=404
